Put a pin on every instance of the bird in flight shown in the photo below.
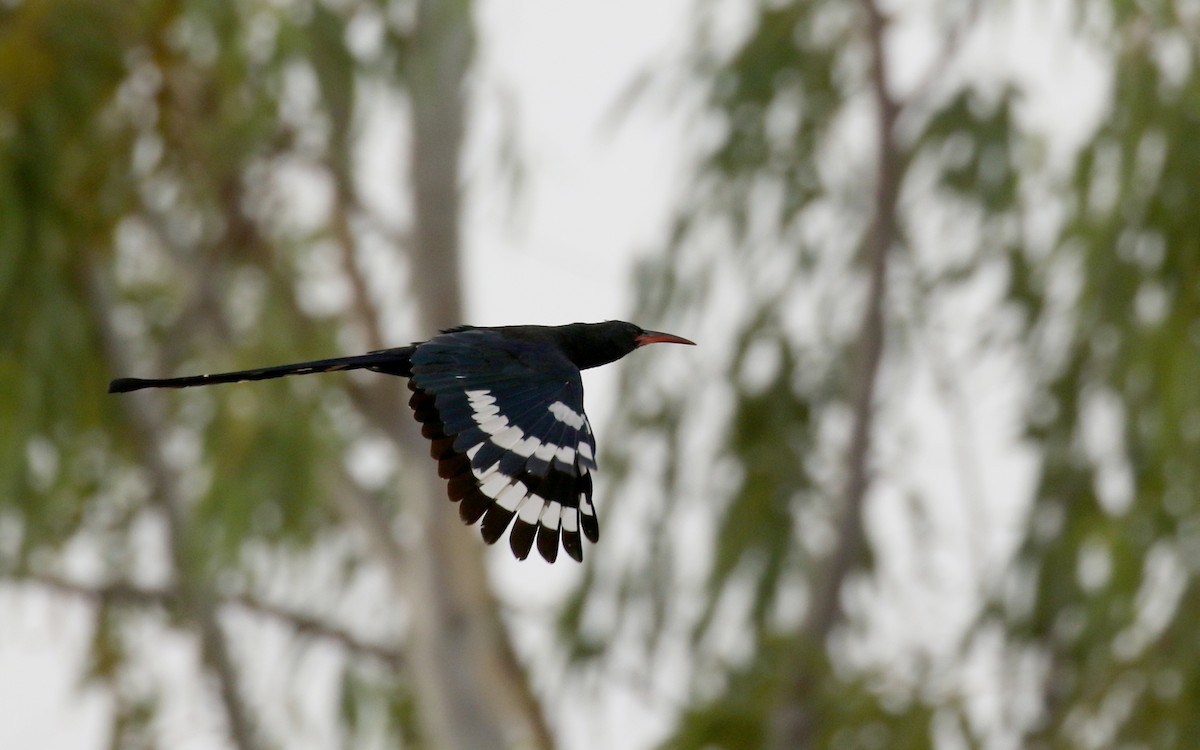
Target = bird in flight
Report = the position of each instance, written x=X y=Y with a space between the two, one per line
x=503 y=410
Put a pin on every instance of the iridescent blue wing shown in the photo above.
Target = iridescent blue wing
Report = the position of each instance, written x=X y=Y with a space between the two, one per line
x=506 y=421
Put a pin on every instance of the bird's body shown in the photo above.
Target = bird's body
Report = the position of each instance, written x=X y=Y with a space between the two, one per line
x=503 y=410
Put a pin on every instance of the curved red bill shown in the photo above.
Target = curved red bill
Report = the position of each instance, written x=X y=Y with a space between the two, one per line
x=657 y=337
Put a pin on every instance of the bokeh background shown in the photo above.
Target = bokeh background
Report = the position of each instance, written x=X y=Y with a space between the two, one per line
x=929 y=481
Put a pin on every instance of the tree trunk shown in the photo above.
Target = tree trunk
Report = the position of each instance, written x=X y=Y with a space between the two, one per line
x=472 y=690
x=795 y=720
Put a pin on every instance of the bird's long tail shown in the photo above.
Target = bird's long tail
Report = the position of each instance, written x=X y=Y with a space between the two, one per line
x=389 y=361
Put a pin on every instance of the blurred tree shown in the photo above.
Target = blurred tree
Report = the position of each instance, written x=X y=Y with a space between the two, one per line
x=1113 y=548
x=904 y=294
x=184 y=177
x=818 y=542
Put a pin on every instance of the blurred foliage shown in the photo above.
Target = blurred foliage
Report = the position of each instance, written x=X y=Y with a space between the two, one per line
x=1114 y=540
x=51 y=203
x=146 y=153
x=763 y=269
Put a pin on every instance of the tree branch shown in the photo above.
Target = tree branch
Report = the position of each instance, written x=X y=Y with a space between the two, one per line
x=196 y=600
x=826 y=607
x=365 y=310
x=119 y=593
x=937 y=68
x=795 y=720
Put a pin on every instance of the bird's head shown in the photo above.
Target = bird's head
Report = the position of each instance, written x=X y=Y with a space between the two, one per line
x=594 y=344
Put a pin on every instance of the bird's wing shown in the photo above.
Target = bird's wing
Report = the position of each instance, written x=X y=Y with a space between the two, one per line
x=506 y=420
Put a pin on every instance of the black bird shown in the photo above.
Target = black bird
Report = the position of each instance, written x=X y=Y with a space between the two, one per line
x=503 y=409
